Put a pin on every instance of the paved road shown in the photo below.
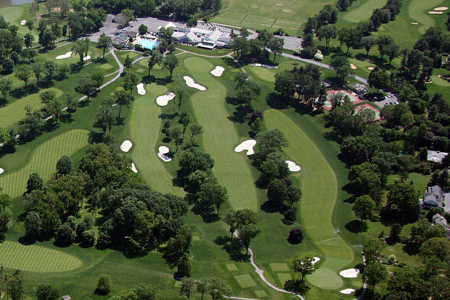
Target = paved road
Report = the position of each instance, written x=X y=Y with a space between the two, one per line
x=321 y=65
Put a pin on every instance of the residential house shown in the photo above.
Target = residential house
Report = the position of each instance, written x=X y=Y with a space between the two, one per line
x=436 y=197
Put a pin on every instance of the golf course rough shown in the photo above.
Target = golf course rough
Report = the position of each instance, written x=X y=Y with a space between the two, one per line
x=220 y=136
x=319 y=189
x=35 y=258
x=43 y=160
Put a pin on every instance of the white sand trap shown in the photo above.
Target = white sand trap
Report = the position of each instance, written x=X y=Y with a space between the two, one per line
x=23 y=22
x=218 y=71
x=64 y=56
x=163 y=150
x=415 y=23
x=353 y=67
x=191 y=83
x=246 y=146
x=2 y=171
x=371 y=68
x=432 y=12
x=292 y=166
x=133 y=167
x=126 y=146
x=347 y=291
x=165 y=99
x=87 y=58
x=141 y=89
x=349 y=273
x=441 y=8
x=315 y=260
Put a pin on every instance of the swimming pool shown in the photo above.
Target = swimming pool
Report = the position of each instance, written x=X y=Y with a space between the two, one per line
x=148 y=44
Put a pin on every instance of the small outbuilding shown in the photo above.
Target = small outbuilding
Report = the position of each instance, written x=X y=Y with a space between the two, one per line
x=436 y=156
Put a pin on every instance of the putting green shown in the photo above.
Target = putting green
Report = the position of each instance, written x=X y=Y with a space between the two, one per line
x=43 y=160
x=263 y=73
x=11 y=13
x=36 y=258
x=220 y=136
x=418 y=11
x=14 y=112
x=319 y=189
x=325 y=279
x=144 y=128
x=439 y=81
x=362 y=10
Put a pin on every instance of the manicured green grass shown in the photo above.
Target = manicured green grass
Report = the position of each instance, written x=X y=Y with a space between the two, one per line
x=319 y=189
x=262 y=73
x=11 y=13
x=325 y=279
x=269 y=14
x=245 y=281
x=220 y=136
x=439 y=81
x=43 y=160
x=279 y=267
x=35 y=258
x=231 y=267
x=420 y=181
x=14 y=112
x=283 y=277
x=418 y=10
x=361 y=10
x=144 y=129
x=260 y=293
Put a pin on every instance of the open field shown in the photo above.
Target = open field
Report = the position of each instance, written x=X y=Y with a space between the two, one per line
x=220 y=136
x=14 y=112
x=36 y=258
x=269 y=14
x=361 y=10
x=11 y=13
x=418 y=10
x=144 y=129
x=319 y=189
x=43 y=160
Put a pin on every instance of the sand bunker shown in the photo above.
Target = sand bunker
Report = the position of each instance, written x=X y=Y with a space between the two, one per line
x=263 y=66
x=165 y=99
x=432 y=12
x=163 y=150
x=23 y=22
x=353 y=67
x=347 y=291
x=246 y=146
x=371 y=68
x=64 y=56
x=292 y=166
x=415 y=23
x=191 y=83
x=133 y=167
x=315 y=260
x=441 y=8
x=218 y=71
x=87 y=58
x=141 y=89
x=349 y=273
x=2 y=171
x=126 y=146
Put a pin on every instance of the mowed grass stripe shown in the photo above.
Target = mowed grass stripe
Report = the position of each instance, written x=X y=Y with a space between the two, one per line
x=36 y=258
x=363 y=11
x=144 y=128
x=43 y=160
x=14 y=112
x=319 y=189
x=220 y=136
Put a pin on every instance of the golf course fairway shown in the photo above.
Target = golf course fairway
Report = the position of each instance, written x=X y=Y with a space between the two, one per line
x=319 y=189
x=220 y=136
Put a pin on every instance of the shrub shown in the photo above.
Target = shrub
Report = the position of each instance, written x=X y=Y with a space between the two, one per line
x=295 y=235
x=103 y=285
x=290 y=215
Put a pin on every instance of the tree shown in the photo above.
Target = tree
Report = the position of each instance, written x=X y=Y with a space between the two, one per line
x=46 y=292
x=295 y=235
x=375 y=272
x=406 y=283
x=187 y=287
x=14 y=287
x=275 y=45
x=372 y=250
x=327 y=33
x=34 y=183
x=368 y=42
x=236 y=219
x=363 y=207
x=47 y=39
x=438 y=247
x=285 y=84
x=404 y=200
x=303 y=266
x=47 y=96
x=154 y=59
x=128 y=61
x=103 y=285
x=379 y=79
x=218 y=289
x=28 y=40
x=246 y=234
x=195 y=130
x=104 y=42
x=211 y=195
x=81 y=48
x=64 y=165
x=130 y=82
x=143 y=29
x=341 y=67
x=123 y=99
x=170 y=63
x=23 y=72
x=65 y=235
x=33 y=225
x=5 y=87
x=202 y=287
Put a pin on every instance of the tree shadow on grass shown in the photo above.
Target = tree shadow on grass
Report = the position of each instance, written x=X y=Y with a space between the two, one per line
x=356 y=226
x=233 y=247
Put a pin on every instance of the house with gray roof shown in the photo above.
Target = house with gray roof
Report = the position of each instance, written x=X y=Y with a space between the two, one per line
x=436 y=156
x=436 y=197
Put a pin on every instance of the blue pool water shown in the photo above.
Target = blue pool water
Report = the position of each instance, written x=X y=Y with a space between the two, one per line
x=148 y=44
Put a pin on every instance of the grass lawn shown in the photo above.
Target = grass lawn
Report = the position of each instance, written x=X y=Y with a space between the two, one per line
x=220 y=136
x=11 y=13
x=361 y=10
x=43 y=160
x=144 y=129
x=420 y=181
x=319 y=189
x=35 y=258
x=418 y=10
x=269 y=14
x=14 y=112
x=245 y=281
